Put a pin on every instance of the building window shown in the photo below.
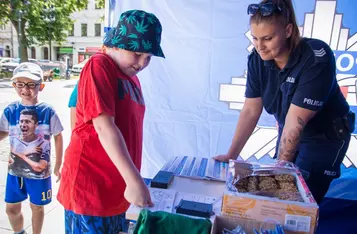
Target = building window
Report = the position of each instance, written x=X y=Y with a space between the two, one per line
x=97 y=31
x=71 y=31
x=45 y=53
x=7 y=51
x=2 y=27
x=33 y=52
x=97 y=4
x=84 y=30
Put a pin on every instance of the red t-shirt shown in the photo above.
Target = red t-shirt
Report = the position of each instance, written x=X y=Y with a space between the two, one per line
x=91 y=184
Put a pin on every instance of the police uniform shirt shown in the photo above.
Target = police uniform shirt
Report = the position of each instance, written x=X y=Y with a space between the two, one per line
x=308 y=80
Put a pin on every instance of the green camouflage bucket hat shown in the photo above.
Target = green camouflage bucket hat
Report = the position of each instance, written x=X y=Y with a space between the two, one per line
x=137 y=31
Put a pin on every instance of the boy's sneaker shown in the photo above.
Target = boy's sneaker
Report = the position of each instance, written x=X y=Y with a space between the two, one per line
x=23 y=232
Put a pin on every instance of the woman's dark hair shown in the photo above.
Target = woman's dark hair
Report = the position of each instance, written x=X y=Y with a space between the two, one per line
x=285 y=17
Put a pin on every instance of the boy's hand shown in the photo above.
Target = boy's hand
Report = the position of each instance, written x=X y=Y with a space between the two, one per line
x=11 y=161
x=17 y=155
x=38 y=150
x=57 y=172
x=3 y=135
x=138 y=194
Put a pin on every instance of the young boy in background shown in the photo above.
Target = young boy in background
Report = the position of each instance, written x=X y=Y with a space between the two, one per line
x=30 y=125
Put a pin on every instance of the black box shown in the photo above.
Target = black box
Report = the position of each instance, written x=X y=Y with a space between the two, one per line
x=195 y=208
x=162 y=179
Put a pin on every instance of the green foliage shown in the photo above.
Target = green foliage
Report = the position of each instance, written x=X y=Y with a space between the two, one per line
x=101 y=3
x=36 y=26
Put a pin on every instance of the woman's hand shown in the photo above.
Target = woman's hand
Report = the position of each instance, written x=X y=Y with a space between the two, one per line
x=223 y=157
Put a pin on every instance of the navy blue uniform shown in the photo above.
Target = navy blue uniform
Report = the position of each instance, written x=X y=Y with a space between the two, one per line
x=309 y=81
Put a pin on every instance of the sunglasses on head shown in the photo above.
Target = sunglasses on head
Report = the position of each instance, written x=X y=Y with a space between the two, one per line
x=30 y=85
x=265 y=9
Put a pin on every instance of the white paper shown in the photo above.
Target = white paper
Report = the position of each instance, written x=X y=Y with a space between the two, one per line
x=163 y=200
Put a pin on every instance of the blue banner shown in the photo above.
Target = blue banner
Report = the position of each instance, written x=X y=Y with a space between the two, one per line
x=346 y=62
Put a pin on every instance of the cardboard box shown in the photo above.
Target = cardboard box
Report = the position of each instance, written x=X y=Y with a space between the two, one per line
x=248 y=226
x=299 y=217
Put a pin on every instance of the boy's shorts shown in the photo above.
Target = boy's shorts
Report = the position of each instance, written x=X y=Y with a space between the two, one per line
x=39 y=190
x=78 y=224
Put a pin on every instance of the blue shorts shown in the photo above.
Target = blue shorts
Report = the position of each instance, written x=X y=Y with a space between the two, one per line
x=79 y=224
x=18 y=188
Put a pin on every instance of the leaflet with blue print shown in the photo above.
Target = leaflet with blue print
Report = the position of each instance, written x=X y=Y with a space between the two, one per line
x=30 y=129
x=196 y=167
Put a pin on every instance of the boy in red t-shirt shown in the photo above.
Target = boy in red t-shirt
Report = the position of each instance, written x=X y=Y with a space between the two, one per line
x=100 y=174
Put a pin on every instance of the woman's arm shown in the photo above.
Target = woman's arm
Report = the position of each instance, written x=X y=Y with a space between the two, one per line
x=295 y=122
x=247 y=121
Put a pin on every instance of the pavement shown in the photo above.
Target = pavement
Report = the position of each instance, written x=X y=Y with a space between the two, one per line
x=55 y=93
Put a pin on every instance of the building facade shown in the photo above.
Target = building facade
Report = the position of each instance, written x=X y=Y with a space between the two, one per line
x=83 y=40
x=86 y=37
x=6 y=40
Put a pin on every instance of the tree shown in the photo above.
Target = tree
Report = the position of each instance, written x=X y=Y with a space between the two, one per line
x=39 y=21
x=101 y=3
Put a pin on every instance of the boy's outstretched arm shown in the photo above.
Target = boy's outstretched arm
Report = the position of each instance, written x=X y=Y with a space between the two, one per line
x=36 y=166
x=113 y=143
x=59 y=154
x=3 y=135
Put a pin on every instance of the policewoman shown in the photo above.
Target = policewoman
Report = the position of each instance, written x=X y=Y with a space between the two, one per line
x=294 y=79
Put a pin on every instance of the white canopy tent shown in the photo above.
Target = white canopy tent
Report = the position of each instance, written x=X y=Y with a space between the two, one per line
x=194 y=96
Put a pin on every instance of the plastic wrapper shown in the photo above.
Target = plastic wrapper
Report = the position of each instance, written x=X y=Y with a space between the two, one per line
x=278 y=230
x=274 y=180
x=237 y=230
x=240 y=230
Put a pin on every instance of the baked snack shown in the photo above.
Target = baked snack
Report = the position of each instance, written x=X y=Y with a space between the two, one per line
x=253 y=184
x=242 y=185
x=290 y=196
x=288 y=187
x=262 y=178
x=282 y=186
x=285 y=178
x=267 y=184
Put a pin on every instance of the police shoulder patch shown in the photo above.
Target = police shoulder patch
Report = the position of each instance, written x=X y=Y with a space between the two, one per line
x=321 y=51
